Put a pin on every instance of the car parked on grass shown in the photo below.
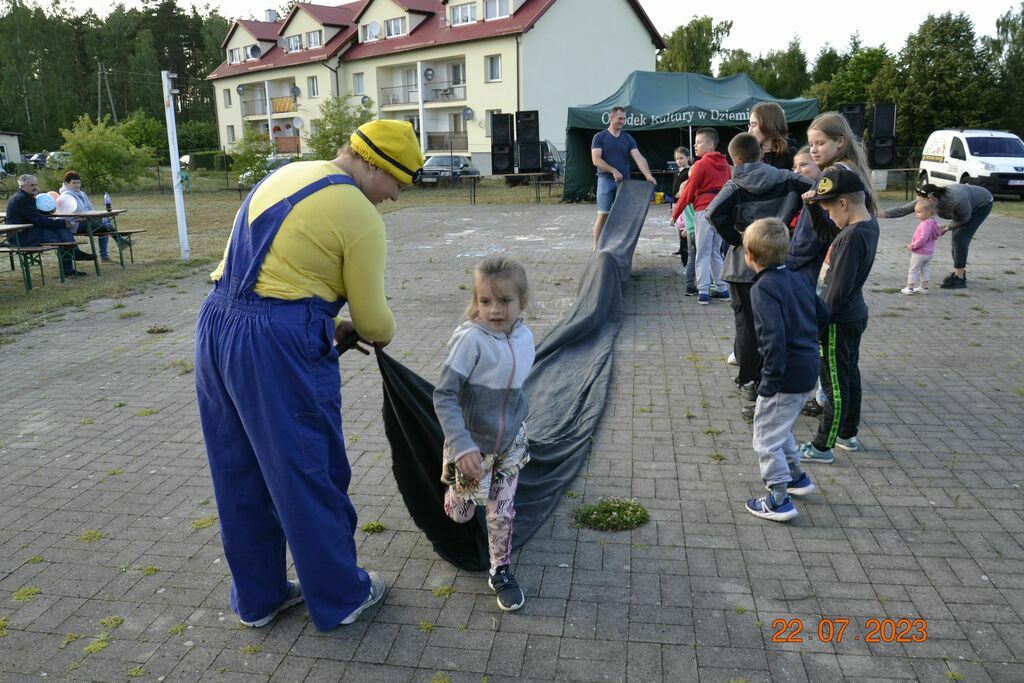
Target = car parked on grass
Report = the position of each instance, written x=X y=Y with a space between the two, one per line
x=58 y=160
x=990 y=158
x=447 y=168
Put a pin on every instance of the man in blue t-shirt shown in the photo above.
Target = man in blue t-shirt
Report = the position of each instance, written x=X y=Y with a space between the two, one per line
x=611 y=151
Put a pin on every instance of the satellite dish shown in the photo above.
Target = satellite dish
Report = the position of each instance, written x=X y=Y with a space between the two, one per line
x=428 y=74
x=467 y=114
x=255 y=51
x=296 y=123
x=295 y=91
x=364 y=100
x=373 y=30
x=240 y=89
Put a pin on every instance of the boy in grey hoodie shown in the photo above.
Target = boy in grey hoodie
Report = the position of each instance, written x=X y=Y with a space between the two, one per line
x=755 y=191
x=480 y=403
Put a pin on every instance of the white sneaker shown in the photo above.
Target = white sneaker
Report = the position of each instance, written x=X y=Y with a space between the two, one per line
x=294 y=598
x=907 y=290
x=732 y=359
x=377 y=589
x=920 y=290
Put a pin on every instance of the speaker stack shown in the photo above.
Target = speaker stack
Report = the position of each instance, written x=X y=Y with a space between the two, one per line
x=883 y=136
x=854 y=115
x=528 y=141
x=502 y=159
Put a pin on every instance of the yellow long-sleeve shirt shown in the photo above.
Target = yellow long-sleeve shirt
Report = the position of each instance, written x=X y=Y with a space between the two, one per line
x=332 y=244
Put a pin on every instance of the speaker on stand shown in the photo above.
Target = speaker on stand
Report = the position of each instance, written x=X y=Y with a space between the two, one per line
x=502 y=159
x=528 y=141
x=883 y=136
x=854 y=115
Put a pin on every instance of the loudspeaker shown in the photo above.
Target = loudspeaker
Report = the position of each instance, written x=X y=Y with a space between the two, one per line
x=527 y=126
x=501 y=129
x=502 y=160
x=884 y=123
x=883 y=152
x=529 y=157
x=854 y=114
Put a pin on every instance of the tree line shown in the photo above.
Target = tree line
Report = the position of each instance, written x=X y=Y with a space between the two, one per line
x=944 y=75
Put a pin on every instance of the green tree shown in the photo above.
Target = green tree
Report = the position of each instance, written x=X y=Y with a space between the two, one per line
x=197 y=135
x=249 y=157
x=736 y=62
x=143 y=75
x=102 y=154
x=694 y=46
x=1007 y=50
x=338 y=120
x=946 y=80
x=143 y=130
x=827 y=64
x=790 y=68
x=856 y=81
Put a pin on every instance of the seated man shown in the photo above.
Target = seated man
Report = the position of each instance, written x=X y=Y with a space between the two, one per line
x=22 y=209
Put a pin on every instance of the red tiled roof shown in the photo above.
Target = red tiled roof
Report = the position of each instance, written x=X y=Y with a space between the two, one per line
x=260 y=30
x=428 y=33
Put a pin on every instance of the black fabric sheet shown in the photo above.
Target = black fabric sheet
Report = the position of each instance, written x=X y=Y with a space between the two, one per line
x=566 y=390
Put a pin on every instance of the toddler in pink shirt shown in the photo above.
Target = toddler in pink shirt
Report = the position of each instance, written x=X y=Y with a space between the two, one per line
x=922 y=248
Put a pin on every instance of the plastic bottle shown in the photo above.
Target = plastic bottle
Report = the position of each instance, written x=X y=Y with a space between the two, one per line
x=106 y=201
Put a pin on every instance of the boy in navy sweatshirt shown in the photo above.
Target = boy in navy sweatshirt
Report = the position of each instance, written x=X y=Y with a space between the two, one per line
x=852 y=234
x=788 y=317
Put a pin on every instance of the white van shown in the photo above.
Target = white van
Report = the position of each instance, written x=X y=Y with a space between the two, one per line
x=990 y=158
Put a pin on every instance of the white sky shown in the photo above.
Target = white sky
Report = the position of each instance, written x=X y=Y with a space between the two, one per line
x=878 y=21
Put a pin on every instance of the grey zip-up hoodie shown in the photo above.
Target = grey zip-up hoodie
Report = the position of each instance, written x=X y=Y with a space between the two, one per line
x=479 y=399
x=755 y=191
x=956 y=204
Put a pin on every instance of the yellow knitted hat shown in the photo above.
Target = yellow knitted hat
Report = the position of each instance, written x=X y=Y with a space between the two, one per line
x=389 y=145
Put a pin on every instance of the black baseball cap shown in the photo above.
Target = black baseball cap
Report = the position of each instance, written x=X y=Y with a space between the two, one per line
x=835 y=181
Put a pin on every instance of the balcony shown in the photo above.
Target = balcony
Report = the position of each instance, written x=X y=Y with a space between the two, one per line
x=445 y=91
x=287 y=145
x=444 y=142
x=282 y=105
x=254 y=107
x=399 y=94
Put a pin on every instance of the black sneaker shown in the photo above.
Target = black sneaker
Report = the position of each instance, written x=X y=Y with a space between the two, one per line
x=510 y=595
x=747 y=411
x=691 y=290
x=812 y=409
x=748 y=391
x=84 y=255
x=954 y=282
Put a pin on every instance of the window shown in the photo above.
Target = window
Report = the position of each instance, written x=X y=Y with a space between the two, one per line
x=956 y=150
x=314 y=39
x=227 y=98
x=415 y=121
x=312 y=87
x=293 y=43
x=495 y=9
x=314 y=127
x=458 y=123
x=394 y=27
x=464 y=14
x=231 y=135
x=358 y=84
x=234 y=55
x=492 y=68
x=370 y=31
x=488 y=118
x=458 y=74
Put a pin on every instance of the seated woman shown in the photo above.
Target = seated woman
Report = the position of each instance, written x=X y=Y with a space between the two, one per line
x=73 y=186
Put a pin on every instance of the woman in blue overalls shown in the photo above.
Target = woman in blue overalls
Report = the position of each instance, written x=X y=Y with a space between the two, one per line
x=307 y=240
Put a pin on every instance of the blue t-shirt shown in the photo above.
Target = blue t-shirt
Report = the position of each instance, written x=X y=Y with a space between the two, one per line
x=615 y=151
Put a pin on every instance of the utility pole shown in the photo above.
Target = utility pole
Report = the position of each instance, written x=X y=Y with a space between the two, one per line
x=99 y=91
x=109 y=97
x=172 y=144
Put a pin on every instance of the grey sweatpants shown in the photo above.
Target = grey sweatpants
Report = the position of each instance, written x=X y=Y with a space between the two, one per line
x=774 y=442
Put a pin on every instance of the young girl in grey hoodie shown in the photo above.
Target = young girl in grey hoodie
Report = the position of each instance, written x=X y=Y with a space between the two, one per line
x=480 y=403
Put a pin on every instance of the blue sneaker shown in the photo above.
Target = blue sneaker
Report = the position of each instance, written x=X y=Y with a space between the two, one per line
x=703 y=299
x=294 y=598
x=851 y=444
x=764 y=508
x=799 y=487
x=811 y=454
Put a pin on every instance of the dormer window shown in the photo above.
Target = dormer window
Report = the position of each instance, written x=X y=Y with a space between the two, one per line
x=234 y=55
x=464 y=13
x=369 y=32
x=495 y=9
x=394 y=27
x=293 y=43
x=314 y=39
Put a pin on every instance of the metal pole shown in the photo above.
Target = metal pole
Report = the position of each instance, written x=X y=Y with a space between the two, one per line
x=172 y=143
x=421 y=112
x=270 y=121
x=110 y=97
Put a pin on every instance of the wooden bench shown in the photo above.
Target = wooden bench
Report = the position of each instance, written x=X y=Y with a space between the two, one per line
x=122 y=238
x=29 y=256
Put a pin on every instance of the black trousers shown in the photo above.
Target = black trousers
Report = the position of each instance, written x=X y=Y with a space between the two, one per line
x=683 y=249
x=840 y=378
x=962 y=236
x=745 y=343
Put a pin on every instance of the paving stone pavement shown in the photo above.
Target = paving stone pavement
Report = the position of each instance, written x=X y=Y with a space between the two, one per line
x=106 y=507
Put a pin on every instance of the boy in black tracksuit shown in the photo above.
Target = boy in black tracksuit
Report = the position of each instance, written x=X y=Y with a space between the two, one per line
x=788 y=318
x=756 y=190
x=854 y=241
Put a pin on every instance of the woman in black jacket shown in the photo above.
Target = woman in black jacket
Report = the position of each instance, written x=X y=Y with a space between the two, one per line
x=768 y=124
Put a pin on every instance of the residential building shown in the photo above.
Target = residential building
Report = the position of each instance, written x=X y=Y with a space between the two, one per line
x=444 y=66
x=10 y=148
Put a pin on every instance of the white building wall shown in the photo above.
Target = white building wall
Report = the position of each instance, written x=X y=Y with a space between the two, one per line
x=576 y=54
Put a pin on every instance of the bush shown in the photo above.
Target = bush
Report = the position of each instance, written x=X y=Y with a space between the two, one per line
x=197 y=135
x=102 y=154
x=222 y=162
x=142 y=130
x=250 y=155
x=338 y=120
x=204 y=160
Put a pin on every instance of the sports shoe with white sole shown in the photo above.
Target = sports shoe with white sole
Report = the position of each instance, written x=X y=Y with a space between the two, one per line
x=294 y=598
x=851 y=444
x=799 y=487
x=808 y=453
x=764 y=508
x=377 y=590
x=732 y=359
x=510 y=595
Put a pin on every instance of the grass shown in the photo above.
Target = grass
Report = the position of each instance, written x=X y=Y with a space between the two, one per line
x=91 y=536
x=111 y=622
x=124 y=315
x=177 y=630
x=136 y=672
x=374 y=527
x=35 y=559
x=209 y=213
x=203 y=522
x=610 y=514
x=426 y=626
x=146 y=412
x=251 y=649
x=158 y=329
x=3 y=627
x=150 y=570
x=444 y=592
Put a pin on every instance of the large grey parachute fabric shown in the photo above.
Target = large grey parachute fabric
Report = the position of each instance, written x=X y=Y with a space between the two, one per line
x=569 y=381
x=566 y=390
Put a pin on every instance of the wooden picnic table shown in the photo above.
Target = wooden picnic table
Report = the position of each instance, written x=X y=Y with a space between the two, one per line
x=27 y=256
x=93 y=220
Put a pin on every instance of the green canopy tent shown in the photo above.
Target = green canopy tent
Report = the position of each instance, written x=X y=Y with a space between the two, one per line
x=662 y=112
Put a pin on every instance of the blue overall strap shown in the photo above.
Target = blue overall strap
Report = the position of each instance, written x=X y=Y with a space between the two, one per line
x=251 y=241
